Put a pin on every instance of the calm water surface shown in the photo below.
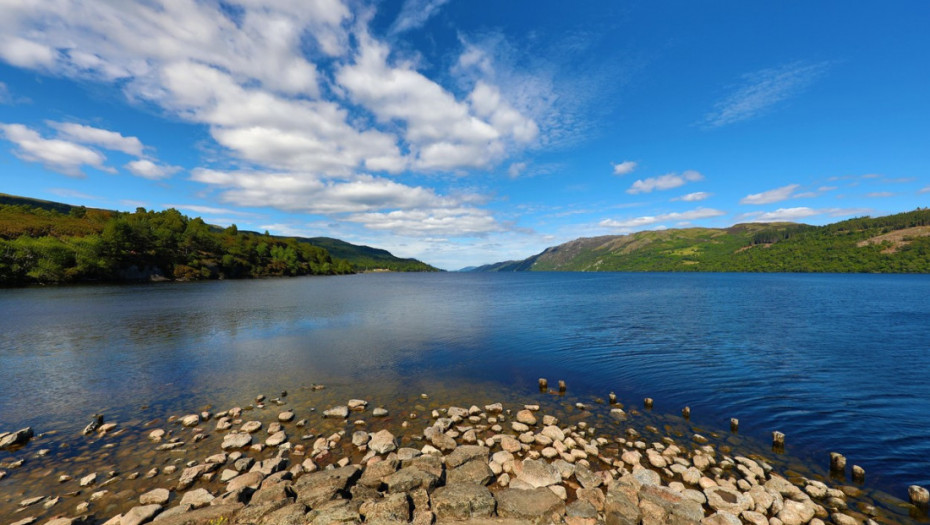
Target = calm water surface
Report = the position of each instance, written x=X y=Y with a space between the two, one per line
x=837 y=362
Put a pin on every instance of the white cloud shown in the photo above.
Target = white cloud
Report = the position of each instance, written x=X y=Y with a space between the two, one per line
x=55 y=154
x=150 y=170
x=415 y=13
x=761 y=90
x=516 y=169
x=693 y=197
x=640 y=222
x=664 y=182
x=26 y=53
x=880 y=194
x=784 y=214
x=210 y=210
x=103 y=138
x=624 y=167
x=770 y=196
x=451 y=222
x=924 y=190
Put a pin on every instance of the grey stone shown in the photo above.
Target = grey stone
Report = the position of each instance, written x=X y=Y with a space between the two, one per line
x=276 y=439
x=340 y=412
x=721 y=518
x=140 y=514
x=477 y=472
x=197 y=498
x=466 y=453
x=728 y=500
x=588 y=479
x=375 y=472
x=382 y=442
x=675 y=506
x=290 y=514
x=236 y=440
x=190 y=420
x=334 y=513
x=410 y=478
x=462 y=501
x=322 y=486
x=540 y=505
x=393 y=507
x=273 y=493
x=15 y=439
x=581 y=509
x=538 y=473
x=249 y=479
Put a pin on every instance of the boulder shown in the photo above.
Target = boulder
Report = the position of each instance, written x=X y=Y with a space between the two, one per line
x=236 y=440
x=462 y=501
x=15 y=439
x=473 y=472
x=539 y=504
x=382 y=442
x=466 y=453
x=391 y=508
x=197 y=498
x=321 y=486
x=140 y=514
x=411 y=478
x=190 y=420
x=156 y=496
x=538 y=473
x=340 y=412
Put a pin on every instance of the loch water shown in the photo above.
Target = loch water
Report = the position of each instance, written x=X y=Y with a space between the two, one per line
x=836 y=362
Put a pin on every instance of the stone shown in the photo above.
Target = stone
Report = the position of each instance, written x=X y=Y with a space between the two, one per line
x=553 y=432
x=339 y=412
x=675 y=508
x=526 y=417
x=190 y=420
x=463 y=501
x=382 y=442
x=510 y=444
x=157 y=435
x=334 y=514
x=586 y=478
x=249 y=479
x=288 y=514
x=286 y=416
x=236 y=440
x=140 y=514
x=357 y=404
x=379 y=412
x=473 y=472
x=581 y=509
x=281 y=493
x=251 y=427
x=197 y=498
x=754 y=518
x=391 y=508
x=647 y=477
x=321 y=486
x=538 y=473
x=411 y=478
x=192 y=474
x=156 y=496
x=15 y=439
x=728 y=500
x=276 y=439
x=721 y=518
x=88 y=480
x=466 y=453
x=360 y=438
x=539 y=504
x=375 y=472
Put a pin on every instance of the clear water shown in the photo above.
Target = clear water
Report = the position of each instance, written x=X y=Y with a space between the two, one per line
x=836 y=362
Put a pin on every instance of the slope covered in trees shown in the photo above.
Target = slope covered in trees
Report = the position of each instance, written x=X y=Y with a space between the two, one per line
x=897 y=243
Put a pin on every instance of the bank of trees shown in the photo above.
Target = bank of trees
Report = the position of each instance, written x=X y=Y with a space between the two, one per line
x=46 y=246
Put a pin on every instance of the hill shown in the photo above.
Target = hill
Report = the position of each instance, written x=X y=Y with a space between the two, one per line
x=365 y=258
x=893 y=244
x=44 y=242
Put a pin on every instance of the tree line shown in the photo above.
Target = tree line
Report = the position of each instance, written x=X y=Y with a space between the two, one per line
x=39 y=246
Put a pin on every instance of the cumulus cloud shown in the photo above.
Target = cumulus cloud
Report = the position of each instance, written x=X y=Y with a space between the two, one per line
x=58 y=155
x=640 y=222
x=794 y=214
x=693 y=197
x=664 y=182
x=770 y=196
x=103 y=138
x=624 y=167
x=761 y=90
x=150 y=170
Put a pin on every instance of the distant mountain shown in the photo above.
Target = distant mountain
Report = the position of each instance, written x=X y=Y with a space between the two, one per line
x=893 y=244
x=366 y=258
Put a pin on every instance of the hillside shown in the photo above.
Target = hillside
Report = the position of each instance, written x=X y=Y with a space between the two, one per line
x=44 y=242
x=364 y=258
x=893 y=244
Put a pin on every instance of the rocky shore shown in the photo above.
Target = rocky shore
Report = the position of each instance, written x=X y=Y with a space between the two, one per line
x=270 y=464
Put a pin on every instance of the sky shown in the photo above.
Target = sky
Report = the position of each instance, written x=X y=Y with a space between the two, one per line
x=468 y=132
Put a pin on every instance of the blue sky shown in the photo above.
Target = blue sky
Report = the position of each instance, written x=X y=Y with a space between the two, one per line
x=464 y=133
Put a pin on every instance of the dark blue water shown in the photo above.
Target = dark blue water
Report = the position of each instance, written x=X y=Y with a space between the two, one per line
x=837 y=362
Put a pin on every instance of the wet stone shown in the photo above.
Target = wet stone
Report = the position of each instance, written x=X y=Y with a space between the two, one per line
x=463 y=501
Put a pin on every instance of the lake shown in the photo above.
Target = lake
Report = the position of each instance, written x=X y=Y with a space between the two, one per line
x=836 y=362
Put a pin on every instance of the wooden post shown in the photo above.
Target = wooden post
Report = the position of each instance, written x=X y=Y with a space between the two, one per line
x=837 y=462
x=647 y=402
x=734 y=424
x=543 y=384
x=561 y=385
x=686 y=412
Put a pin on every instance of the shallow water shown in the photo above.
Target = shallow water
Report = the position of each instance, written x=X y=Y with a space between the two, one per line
x=836 y=362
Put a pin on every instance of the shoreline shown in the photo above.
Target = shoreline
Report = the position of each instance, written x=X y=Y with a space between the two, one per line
x=504 y=447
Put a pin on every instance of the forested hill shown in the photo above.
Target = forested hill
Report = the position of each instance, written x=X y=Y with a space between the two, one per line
x=46 y=242
x=893 y=244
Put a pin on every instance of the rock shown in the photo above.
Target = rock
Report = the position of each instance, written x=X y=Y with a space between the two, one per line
x=382 y=442
x=157 y=435
x=466 y=453
x=391 y=508
x=672 y=506
x=411 y=478
x=510 y=444
x=190 y=420
x=276 y=439
x=28 y=502
x=728 y=500
x=192 y=474
x=286 y=416
x=214 y=514
x=754 y=518
x=526 y=417
x=334 y=514
x=15 y=439
x=538 y=473
x=88 y=480
x=553 y=432
x=357 y=404
x=721 y=518
x=319 y=487
x=236 y=440
x=197 y=498
x=141 y=514
x=360 y=438
x=647 y=477
x=281 y=492
x=251 y=427
x=249 y=479
x=379 y=412
x=586 y=478
x=472 y=472
x=539 y=504
x=462 y=501
x=156 y=496
x=339 y=412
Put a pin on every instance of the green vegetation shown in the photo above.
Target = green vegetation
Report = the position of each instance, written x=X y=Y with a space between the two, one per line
x=894 y=244
x=366 y=258
x=43 y=245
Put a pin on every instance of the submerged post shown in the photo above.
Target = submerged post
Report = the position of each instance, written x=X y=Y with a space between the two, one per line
x=613 y=398
x=543 y=383
x=734 y=424
x=561 y=385
x=837 y=462
x=647 y=402
x=686 y=412
x=778 y=440
x=858 y=473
